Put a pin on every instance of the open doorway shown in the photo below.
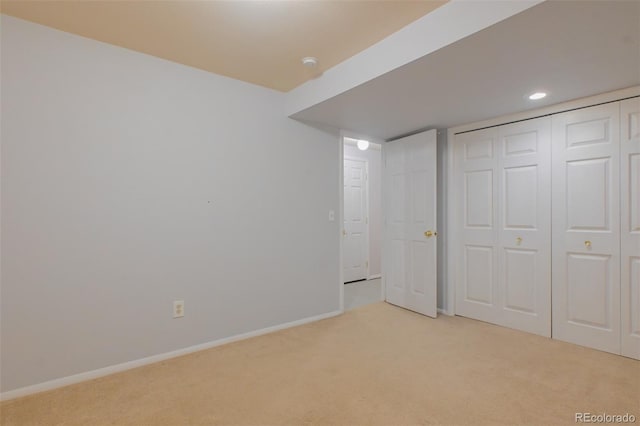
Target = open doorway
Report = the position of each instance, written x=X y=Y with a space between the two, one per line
x=362 y=223
x=409 y=198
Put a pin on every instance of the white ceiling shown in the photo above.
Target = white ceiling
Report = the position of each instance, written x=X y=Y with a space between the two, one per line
x=571 y=49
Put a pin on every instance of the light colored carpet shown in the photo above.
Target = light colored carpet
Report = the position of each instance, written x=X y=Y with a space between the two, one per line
x=376 y=365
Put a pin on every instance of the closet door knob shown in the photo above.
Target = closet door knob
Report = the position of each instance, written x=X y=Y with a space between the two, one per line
x=587 y=244
x=518 y=240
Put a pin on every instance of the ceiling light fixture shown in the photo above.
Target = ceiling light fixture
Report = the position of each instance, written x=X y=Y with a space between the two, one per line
x=363 y=145
x=309 y=61
x=538 y=95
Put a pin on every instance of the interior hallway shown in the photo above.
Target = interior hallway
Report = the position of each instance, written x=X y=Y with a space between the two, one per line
x=376 y=365
x=361 y=293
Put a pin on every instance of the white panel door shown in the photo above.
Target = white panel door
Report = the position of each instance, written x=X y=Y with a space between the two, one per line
x=586 y=227
x=524 y=231
x=630 y=225
x=409 y=193
x=476 y=186
x=355 y=241
x=504 y=195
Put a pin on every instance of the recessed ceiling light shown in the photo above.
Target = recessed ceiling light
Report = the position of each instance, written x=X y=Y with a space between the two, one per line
x=537 y=95
x=309 y=61
x=363 y=145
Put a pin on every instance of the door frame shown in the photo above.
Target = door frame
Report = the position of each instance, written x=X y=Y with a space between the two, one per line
x=367 y=207
x=341 y=157
x=451 y=225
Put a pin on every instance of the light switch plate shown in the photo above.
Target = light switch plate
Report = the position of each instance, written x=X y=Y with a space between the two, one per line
x=178 y=308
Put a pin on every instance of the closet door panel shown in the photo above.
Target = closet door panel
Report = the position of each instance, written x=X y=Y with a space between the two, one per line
x=630 y=225
x=524 y=230
x=478 y=199
x=478 y=274
x=476 y=187
x=589 y=280
x=503 y=182
x=586 y=227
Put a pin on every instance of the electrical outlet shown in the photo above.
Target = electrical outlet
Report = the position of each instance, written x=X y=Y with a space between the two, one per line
x=178 y=308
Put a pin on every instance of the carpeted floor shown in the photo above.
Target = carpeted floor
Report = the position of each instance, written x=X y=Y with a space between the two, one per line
x=376 y=365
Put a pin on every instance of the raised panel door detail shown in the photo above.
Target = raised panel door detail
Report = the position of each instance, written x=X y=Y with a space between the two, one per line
x=630 y=216
x=410 y=205
x=476 y=216
x=588 y=195
x=521 y=144
x=504 y=217
x=476 y=150
x=634 y=300
x=479 y=274
x=520 y=197
x=398 y=263
x=633 y=127
x=357 y=208
x=397 y=206
x=394 y=161
x=356 y=174
x=354 y=255
x=520 y=279
x=634 y=193
x=478 y=192
x=589 y=290
x=419 y=184
x=586 y=227
x=524 y=281
x=420 y=266
x=588 y=132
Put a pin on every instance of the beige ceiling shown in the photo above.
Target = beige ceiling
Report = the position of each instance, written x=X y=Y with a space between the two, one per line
x=261 y=42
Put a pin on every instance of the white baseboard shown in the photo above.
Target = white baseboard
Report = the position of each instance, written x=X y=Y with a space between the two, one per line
x=444 y=312
x=105 y=371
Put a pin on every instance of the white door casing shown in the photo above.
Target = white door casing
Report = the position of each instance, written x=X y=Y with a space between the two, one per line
x=355 y=226
x=409 y=200
x=630 y=226
x=586 y=227
x=502 y=181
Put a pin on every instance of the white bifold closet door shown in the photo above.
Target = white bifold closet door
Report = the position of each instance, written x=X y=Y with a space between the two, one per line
x=586 y=227
x=630 y=226
x=504 y=262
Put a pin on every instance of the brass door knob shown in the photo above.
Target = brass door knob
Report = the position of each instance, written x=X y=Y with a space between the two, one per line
x=519 y=240
x=587 y=244
x=430 y=233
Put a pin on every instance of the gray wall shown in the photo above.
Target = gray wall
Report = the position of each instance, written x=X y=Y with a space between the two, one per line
x=129 y=182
